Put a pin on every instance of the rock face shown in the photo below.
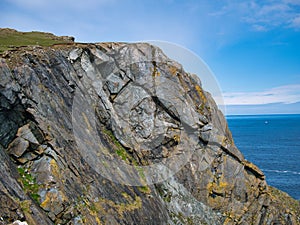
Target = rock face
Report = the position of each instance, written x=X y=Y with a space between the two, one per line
x=116 y=133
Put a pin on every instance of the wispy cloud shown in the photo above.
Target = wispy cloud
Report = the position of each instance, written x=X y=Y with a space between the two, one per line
x=100 y=20
x=292 y=2
x=258 y=27
x=284 y=94
x=263 y=15
x=61 y=5
x=295 y=22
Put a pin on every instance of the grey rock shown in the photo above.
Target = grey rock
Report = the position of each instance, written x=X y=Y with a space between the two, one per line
x=75 y=54
x=52 y=201
x=28 y=156
x=81 y=118
x=43 y=170
x=26 y=133
x=18 y=147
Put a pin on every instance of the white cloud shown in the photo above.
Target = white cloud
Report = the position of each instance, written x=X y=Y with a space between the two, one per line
x=295 y=22
x=263 y=15
x=259 y=27
x=99 y=20
x=292 y=2
x=60 y=5
x=284 y=94
x=273 y=8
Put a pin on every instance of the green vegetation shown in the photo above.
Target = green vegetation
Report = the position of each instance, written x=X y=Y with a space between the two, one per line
x=144 y=189
x=119 y=149
x=10 y=38
x=25 y=206
x=124 y=155
x=29 y=184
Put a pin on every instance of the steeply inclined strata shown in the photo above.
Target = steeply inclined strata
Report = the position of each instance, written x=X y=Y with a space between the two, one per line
x=144 y=109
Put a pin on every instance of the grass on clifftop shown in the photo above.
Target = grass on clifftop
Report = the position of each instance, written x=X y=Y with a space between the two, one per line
x=10 y=38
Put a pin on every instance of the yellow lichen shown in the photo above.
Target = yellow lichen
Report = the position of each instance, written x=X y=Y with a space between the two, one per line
x=86 y=120
x=144 y=189
x=103 y=205
x=94 y=214
x=53 y=197
x=176 y=138
x=173 y=70
x=200 y=93
x=55 y=169
x=155 y=72
x=223 y=184
x=47 y=201
x=218 y=187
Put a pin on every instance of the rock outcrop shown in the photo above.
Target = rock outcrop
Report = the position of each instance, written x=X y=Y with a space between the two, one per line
x=116 y=133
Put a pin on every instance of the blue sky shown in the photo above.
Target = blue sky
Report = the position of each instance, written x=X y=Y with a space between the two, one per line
x=253 y=47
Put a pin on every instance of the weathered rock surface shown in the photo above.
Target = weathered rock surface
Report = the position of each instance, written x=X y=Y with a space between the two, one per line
x=78 y=122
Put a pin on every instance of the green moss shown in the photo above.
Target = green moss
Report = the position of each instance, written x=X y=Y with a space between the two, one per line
x=25 y=206
x=140 y=172
x=122 y=154
x=29 y=184
x=125 y=156
x=119 y=149
x=168 y=197
x=144 y=189
x=11 y=38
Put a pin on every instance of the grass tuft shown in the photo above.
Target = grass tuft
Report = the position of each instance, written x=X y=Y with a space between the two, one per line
x=29 y=183
x=9 y=39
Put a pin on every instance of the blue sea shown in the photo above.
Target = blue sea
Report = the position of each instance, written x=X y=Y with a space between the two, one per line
x=272 y=142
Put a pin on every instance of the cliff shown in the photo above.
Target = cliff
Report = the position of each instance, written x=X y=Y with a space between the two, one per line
x=117 y=133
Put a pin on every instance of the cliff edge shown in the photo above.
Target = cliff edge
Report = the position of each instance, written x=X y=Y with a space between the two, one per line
x=118 y=133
